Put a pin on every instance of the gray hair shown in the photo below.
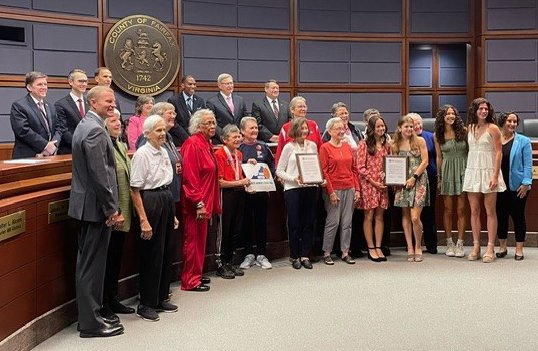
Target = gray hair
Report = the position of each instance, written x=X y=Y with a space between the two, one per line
x=245 y=120
x=336 y=106
x=140 y=101
x=414 y=116
x=196 y=119
x=295 y=101
x=229 y=129
x=150 y=123
x=332 y=122
x=161 y=107
x=370 y=112
x=223 y=76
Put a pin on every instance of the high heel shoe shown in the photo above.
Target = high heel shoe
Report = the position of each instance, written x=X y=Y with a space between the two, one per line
x=375 y=259
x=489 y=258
x=473 y=256
x=382 y=258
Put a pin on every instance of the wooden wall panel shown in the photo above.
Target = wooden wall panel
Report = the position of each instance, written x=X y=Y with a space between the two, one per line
x=17 y=313
x=17 y=282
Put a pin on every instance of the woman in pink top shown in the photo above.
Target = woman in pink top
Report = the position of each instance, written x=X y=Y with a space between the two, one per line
x=144 y=104
x=336 y=158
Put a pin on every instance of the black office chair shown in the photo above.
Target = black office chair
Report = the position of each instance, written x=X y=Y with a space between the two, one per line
x=428 y=124
x=530 y=128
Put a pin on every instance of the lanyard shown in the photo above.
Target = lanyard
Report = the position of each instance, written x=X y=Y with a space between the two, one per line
x=234 y=162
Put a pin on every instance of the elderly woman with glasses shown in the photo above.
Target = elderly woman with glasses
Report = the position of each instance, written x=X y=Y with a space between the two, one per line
x=200 y=197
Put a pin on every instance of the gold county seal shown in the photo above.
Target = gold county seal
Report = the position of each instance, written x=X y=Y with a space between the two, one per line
x=142 y=54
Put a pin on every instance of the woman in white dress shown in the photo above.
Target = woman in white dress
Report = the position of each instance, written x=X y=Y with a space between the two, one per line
x=483 y=178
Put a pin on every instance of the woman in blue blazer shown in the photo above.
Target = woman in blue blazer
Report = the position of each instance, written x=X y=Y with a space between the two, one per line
x=516 y=167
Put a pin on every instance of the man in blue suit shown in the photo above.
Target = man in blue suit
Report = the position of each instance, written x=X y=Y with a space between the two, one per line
x=228 y=108
x=72 y=108
x=185 y=103
x=33 y=120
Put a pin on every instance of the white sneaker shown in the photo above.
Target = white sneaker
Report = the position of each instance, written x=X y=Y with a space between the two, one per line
x=458 y=252
x=262 y=261
x=247 y=262
x=449 y=248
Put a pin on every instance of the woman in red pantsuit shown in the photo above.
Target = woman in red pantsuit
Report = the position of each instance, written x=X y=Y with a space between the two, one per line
x=200 y=197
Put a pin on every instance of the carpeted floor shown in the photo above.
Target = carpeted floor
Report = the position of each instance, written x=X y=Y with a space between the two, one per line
x=439 y=304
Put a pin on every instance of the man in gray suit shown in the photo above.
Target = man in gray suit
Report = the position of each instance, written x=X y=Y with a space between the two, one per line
x=33 y=120
x=94 y=202
x=228 y=108
x=271 y=113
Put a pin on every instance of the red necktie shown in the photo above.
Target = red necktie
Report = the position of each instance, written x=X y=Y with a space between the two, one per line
x=80 y=108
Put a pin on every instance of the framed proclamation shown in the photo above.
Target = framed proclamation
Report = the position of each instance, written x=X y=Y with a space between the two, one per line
x=395 y=170
x=309 y=168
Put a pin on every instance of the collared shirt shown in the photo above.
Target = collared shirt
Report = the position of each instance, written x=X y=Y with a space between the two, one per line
x=271 y=101
x=186 y=97
x=225 y=97
x=36 y=101
x=150 y=168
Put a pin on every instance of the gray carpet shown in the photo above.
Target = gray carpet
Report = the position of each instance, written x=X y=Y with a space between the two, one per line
x=440 y=304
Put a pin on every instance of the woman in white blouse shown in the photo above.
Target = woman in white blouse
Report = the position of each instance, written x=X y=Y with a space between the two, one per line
x=301 y=199
x=151 y=175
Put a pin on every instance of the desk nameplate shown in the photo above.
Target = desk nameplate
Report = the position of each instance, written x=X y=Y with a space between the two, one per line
x=12 y=224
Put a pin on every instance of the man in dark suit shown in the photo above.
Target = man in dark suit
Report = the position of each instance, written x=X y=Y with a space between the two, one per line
x=228 y=108
x=94 y=202
x=271 y=113
x=185 y=103
x=33 y=120
x=72 y=108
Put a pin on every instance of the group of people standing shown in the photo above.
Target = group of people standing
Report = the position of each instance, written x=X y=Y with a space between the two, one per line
x=484 y=162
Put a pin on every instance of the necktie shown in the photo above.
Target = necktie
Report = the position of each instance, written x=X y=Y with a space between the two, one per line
x=275 y=108
x=189 y=103
x=80 y=108
x=230 y=103
x=44 y=115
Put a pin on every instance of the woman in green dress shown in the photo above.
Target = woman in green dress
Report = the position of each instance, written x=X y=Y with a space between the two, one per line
x=450 y=139
x=414 y=195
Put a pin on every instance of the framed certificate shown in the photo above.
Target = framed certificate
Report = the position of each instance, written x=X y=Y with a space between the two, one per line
x=395 y=170
x=309 y=168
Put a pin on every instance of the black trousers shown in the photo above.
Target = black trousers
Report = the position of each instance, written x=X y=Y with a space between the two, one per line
x=155 y=260
x=428 y=216
x=93 y=238
x=233 y=204
x=301 y=206
x=509 y=205
x=113 y=265
x=255 y=223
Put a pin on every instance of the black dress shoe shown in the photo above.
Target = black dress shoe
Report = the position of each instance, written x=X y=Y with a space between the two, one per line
x=108 y=316
x=200 y=288
x=296 y=264
x=501 y=254
x=118 y=307
x=103 y=332
x=225 y=273
x=205 y=280
x=307 y=264
x=432 y=250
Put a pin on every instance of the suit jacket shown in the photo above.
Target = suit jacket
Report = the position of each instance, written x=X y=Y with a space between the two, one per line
x=180 y=131
x=223 y=114
x=29 y=127
x=94 y=187
x=268 y=124
x=520 y=162
x=68 y=115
